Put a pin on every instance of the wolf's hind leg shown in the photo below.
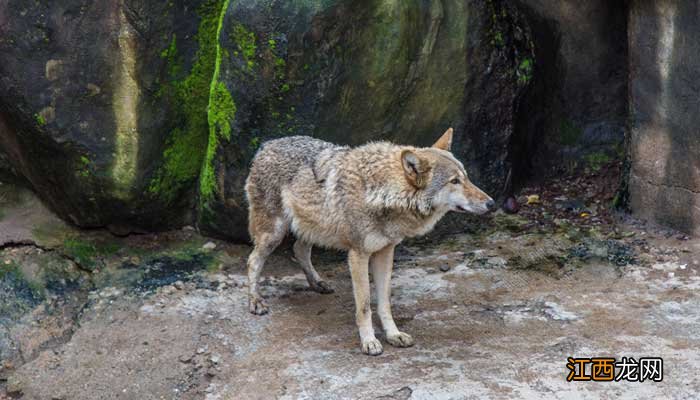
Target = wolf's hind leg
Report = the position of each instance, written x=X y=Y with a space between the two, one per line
x=302 y=252
x=382 y=263
x=265 y=244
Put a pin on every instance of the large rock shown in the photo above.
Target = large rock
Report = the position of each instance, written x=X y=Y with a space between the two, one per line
x=354 y=71
x=130 y=114
x=95 y=114
x=575 y=113
x=664 y=179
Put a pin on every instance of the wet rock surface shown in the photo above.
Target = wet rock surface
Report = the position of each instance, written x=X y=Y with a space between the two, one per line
x=163 y=316
x=664 y=173
x=83 y=116
x=351 y=72
x=141 y=116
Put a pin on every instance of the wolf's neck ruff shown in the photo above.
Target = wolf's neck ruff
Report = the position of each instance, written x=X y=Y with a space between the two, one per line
x=400 y=199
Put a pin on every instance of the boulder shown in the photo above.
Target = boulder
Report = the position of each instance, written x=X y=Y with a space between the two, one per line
x=664 y=96
x=351 y=72
x=103 y=121
x=133 y=114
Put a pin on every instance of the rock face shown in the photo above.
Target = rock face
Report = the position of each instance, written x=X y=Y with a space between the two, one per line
x=350 y=72
x=575 y=113
x=92 y=116
x=132 y=114
x=664 y=179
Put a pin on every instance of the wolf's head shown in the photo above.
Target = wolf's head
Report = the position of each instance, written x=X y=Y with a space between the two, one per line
x=443 y=178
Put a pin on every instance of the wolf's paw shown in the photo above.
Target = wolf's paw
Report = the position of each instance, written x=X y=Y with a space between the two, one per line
x=257 y=306
x=322 y=287
x=372 y=347
x=400 y=340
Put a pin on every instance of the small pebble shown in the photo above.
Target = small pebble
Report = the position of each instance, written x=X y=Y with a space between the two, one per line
x=444 y=268
x=185 y=358
x=209 y=246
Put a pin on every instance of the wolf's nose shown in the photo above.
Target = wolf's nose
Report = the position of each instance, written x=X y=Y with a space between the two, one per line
x=491 y=205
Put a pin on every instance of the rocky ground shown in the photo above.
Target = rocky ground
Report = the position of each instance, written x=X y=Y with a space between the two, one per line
x=496 y=306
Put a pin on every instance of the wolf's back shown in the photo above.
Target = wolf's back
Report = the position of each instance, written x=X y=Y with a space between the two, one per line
x=276 y=164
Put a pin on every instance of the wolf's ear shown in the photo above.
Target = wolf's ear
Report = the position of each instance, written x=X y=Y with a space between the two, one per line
x=416 y=169
x=445 y=141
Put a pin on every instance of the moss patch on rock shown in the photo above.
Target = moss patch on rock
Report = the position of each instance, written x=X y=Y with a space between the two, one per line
x=245 y=44
x=187 y=146
x=220 y=114
x=596 y=161
x=87 y=253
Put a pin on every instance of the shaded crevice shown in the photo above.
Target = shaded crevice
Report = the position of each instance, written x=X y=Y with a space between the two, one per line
x=538 y=106
x=576 y=107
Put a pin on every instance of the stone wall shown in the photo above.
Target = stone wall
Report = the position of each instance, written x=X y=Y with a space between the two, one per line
x=664 y=93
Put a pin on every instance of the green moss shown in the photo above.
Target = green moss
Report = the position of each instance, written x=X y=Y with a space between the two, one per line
x=83 y=167
x=222 y=110
x=504 y=37
x=186 y=147
x=83 y=252
x=245 y=44
x=596 y=161
x=569 y=133
x=498 y=39
x=173 y=61
x=524 y=71
x=220 y=116
x=506 y=222
x=86 y=253
x=40 y=120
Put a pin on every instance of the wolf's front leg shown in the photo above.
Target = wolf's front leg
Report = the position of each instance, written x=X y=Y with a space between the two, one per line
x=358 y=262
x=382 y=263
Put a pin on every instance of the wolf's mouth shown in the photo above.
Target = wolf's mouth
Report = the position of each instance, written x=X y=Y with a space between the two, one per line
x=461 y=209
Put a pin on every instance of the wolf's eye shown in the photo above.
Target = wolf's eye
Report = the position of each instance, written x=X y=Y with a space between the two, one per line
x=455 y=181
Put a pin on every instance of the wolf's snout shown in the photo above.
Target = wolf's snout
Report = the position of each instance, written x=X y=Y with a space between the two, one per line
x=491 y=205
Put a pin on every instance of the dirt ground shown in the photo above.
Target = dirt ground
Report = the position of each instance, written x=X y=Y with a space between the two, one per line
x=495 y=306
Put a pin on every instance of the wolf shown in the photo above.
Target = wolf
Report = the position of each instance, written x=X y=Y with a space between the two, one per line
x=364 y=200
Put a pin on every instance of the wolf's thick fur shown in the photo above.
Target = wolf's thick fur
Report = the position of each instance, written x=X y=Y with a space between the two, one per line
x=364 y=200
